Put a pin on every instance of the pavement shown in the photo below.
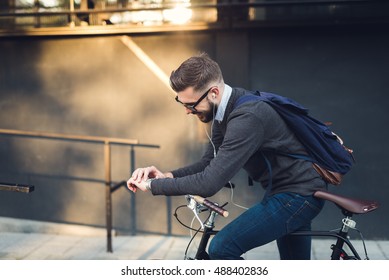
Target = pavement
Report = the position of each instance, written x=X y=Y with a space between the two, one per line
x=32 y=240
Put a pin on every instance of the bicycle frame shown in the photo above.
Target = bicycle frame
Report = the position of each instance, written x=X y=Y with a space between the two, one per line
x=341 y=238
x=347 y=206
x=198 y=204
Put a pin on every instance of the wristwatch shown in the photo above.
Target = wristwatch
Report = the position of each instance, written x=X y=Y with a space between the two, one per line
x=148 y=184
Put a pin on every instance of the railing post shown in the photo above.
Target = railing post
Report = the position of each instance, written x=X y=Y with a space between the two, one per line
x=108 y=196
x=72 y=17
x=169 y=214
x=133 y=201
x=36 y=9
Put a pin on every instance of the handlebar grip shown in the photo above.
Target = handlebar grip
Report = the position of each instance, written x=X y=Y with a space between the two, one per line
x=211 y=205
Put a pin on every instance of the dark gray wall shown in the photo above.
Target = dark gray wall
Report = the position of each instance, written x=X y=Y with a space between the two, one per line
x=341 y=75
x=97 y=86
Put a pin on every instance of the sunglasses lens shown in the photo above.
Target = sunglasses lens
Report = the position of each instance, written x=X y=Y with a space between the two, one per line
x=193 y=110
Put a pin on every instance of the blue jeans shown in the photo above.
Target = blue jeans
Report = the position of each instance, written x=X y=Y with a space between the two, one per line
x=272 y=219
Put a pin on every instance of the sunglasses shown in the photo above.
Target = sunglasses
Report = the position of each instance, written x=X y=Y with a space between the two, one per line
x=192 y=106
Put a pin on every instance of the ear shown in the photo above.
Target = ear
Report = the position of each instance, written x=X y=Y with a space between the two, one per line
x=215 y=92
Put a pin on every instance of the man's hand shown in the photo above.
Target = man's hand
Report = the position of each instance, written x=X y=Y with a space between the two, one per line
x=133 y=185
x=140 y=175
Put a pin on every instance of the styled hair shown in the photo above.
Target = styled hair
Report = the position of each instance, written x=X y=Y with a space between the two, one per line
x=197 y=72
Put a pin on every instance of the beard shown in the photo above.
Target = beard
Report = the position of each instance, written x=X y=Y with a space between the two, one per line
x=209 y=114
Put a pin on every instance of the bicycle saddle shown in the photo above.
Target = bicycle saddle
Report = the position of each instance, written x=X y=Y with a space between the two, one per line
x=355 y=206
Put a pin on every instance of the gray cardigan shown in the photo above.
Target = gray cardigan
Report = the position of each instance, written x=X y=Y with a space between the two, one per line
x=244 y=133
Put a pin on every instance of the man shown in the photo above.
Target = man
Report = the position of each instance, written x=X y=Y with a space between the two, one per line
x=243 y=137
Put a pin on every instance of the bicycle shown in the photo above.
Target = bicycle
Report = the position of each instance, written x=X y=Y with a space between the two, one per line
x=348 y=207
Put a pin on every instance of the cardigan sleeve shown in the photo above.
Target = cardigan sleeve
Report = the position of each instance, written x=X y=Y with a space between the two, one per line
x=210 y=175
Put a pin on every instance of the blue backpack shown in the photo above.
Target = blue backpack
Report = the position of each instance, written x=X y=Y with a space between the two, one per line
x=330 y=158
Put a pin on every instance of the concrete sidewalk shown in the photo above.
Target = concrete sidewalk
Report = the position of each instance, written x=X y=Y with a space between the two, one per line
x=29 y=240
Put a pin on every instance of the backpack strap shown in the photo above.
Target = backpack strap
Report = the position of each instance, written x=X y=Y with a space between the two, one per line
x=247 y=98
x=255 y=97
x=266 y=97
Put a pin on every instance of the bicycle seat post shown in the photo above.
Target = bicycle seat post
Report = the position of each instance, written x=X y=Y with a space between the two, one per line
x=337 y=249
x=348 y=223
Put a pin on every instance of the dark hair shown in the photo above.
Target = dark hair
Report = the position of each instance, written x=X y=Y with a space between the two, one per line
x=197 y=72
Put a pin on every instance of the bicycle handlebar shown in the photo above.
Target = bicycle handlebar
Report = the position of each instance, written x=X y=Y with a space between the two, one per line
x=211 y=205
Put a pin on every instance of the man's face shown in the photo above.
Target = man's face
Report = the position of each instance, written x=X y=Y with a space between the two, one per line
x=196 y=104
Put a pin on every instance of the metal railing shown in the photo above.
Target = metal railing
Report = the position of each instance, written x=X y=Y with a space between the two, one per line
x=16 y=188
x=110 y=187
x=214 y=14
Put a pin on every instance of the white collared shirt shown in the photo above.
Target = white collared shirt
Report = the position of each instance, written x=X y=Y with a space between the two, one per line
x=223 y=103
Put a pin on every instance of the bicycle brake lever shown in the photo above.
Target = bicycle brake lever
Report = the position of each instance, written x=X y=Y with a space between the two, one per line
x=193 y=205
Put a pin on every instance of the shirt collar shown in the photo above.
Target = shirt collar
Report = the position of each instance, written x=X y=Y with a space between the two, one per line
x=223 y=103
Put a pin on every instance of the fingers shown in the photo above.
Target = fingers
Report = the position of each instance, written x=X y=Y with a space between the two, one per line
x=142 y=174
x=135 y=185
x=131 y=186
